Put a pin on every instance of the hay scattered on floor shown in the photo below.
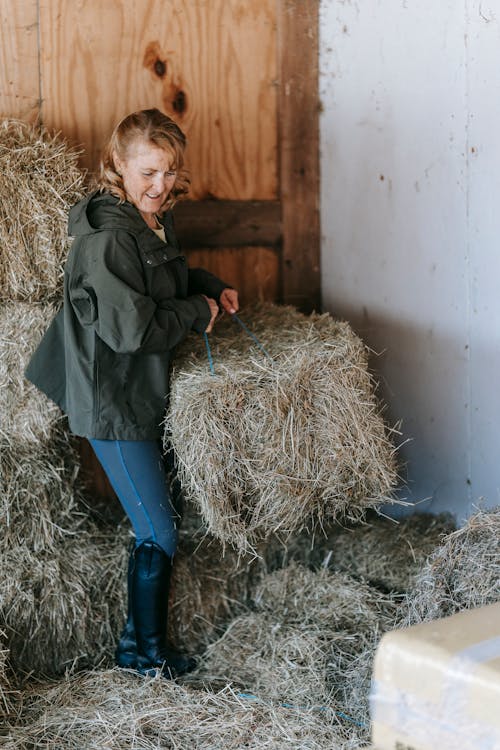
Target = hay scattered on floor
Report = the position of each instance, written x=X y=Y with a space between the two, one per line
x=115 y=709
x=64 y=606
x=462 y=573
x=291 y=666
x=277 y=446
x=40 y=181
x=275 y=660
x=27 y=414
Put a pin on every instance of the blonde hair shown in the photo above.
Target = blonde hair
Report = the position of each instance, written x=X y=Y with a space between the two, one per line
x=154 y=127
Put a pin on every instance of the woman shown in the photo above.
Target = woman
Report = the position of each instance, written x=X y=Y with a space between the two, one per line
x=129 y=298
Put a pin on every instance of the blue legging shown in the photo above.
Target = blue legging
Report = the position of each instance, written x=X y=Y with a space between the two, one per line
x=136 y=471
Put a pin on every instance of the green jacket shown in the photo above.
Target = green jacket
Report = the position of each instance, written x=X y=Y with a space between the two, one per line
x=129 y=298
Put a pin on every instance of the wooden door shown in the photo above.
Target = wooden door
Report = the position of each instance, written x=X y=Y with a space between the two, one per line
x=239 y=76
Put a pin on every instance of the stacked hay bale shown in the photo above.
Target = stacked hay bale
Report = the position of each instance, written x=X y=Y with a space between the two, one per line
x=277 y=445
x=9 y=697
x=307 y=642
x=40 y=179
x=59 y=593
x=384 y=553
x=463 y=572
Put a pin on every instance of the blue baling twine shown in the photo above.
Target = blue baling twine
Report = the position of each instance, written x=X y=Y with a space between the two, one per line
x=247 y=330
x=252 y=335
x=340 y=714
x=209 y=353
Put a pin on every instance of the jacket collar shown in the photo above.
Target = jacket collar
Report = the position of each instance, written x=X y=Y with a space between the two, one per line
x=153 y=249
x=102 y=211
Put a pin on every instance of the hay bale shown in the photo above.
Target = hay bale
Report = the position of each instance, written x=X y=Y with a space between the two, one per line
x=333 y=601
x=278 y=446
x=386 y=554
x=210 y=587
x=302 y=641
x=27 y=414
x=348 y=616
x=40 y=181
x=462 y=573
x=39 y=497
x=275 y=660
x=115 y=709
x=9 y=695
x=63 y=606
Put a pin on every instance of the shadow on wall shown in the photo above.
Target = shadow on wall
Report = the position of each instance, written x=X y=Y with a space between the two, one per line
x=423 y=381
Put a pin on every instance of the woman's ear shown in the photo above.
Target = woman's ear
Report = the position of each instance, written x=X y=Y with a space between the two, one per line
x=117 y=164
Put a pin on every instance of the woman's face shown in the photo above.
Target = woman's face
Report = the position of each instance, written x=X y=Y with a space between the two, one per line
x=147 y=176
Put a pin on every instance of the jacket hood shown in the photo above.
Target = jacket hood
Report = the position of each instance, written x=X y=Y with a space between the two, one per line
x=100 y=211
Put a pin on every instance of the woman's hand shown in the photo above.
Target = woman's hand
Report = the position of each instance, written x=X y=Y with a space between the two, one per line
x=229 y=300
x=214 y=311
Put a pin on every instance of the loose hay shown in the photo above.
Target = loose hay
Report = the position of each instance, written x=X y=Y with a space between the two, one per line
x=39 y=181
x=115 y=710
x=462 y=573
x=27 y=414
x=275 y=660
x=277 y=446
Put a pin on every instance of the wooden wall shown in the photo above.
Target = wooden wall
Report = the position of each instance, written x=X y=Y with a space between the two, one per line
x=240 y=77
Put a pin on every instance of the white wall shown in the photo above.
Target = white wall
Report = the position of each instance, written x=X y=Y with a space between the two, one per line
x=410 y=206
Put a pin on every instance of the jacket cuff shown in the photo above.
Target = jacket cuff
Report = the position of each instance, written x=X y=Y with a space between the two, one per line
x=203 y=317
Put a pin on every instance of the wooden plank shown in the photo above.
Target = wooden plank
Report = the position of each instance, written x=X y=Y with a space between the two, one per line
x=228 y=223
x=89 y=69
x=19 y=68
x=193 y=59
x=299 y=152
x=253 y=271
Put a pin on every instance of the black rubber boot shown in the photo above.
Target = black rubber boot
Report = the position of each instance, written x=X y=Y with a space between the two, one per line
x=126 y=651
x=150 y=587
